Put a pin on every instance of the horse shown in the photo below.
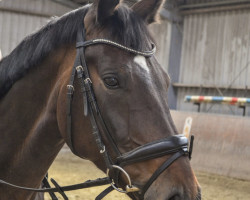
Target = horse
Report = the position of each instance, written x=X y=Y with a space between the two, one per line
x=124 y=93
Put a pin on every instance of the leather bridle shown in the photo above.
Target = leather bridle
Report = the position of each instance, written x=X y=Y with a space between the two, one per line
x=176 y=145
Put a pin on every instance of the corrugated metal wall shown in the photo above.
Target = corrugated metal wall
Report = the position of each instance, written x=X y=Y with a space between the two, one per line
x=18 y=18
x=162 y=35
x=187 y=2
x=42 y=7
x=14 y=27
x=215 y=52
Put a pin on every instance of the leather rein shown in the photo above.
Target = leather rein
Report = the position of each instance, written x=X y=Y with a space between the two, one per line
x=176 y=145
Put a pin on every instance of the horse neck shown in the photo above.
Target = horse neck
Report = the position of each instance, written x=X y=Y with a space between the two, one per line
x=29 y=134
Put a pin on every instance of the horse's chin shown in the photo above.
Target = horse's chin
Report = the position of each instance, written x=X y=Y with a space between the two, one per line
x=170 y=191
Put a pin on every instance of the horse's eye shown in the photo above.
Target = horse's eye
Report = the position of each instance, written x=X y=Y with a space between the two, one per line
x=111 y=82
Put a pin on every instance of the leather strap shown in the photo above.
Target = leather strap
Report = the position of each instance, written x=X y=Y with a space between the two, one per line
x=47 y=185
x=59 y=189
x=91 y=105
x=87 y=184
x=112 y=43
x=155 y=149
x=158 y=172
x=190 y=151
x=104 y=193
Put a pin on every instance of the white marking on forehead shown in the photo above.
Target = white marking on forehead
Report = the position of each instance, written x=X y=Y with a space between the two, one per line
x=141 y=61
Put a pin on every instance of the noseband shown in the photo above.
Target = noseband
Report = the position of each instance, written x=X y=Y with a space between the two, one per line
x=176 y=145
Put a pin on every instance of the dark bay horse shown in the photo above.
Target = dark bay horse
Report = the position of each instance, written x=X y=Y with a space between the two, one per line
x=130 y=90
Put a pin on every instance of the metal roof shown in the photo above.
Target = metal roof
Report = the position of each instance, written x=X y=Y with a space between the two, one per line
x=129 y=2
x=170 y=5
x=83 y=2
x=175 y=2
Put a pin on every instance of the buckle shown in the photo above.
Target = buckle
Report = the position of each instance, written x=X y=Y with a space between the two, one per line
x=70 y=89
x=87 y=80
x=103 y=150
x=129 y=186
x=79 y=70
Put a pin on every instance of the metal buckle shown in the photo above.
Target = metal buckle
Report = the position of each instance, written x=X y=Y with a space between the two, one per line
x=79 y=68
x=103 y=150
x=87 y=80
x=70 y=89
x=129 y=187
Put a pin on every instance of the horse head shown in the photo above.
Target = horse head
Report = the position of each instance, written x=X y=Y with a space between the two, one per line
x=130 y=89
x=116 y=115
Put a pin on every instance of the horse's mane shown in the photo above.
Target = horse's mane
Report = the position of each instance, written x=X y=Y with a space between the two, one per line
x=35 y=47
x=129 y=29
x=124 y=27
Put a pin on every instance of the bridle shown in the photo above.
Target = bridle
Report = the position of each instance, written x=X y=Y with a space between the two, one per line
x=176 y=145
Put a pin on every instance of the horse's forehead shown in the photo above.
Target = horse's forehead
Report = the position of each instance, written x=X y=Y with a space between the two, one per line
x=141 y=62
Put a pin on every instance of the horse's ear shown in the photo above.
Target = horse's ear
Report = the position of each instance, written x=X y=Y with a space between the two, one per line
x=105 y=9
x=148 y=9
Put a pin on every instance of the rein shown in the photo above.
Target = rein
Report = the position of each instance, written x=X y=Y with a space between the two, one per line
x=176 y=145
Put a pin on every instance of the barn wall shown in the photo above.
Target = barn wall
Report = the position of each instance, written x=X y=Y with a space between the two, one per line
x=39 y=7
x=19 y=18
x=162 y=35
x=221 y=144
x=216 y=47
x=215 y=53
x=14 y=27
x=206 y=2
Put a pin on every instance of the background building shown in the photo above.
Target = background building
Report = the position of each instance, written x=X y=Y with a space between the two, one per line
x=203 y=44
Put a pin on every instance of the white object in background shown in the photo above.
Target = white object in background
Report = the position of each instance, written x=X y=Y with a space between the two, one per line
x=187 y=127
x=0 y=52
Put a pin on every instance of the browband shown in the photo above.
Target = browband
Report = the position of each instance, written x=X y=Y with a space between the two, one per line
x=109 y=42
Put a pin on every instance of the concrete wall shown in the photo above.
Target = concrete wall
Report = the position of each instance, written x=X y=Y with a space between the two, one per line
x=222 y=143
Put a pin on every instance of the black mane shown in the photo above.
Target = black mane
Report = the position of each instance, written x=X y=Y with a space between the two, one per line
x=125 y=27
x=35 y=47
